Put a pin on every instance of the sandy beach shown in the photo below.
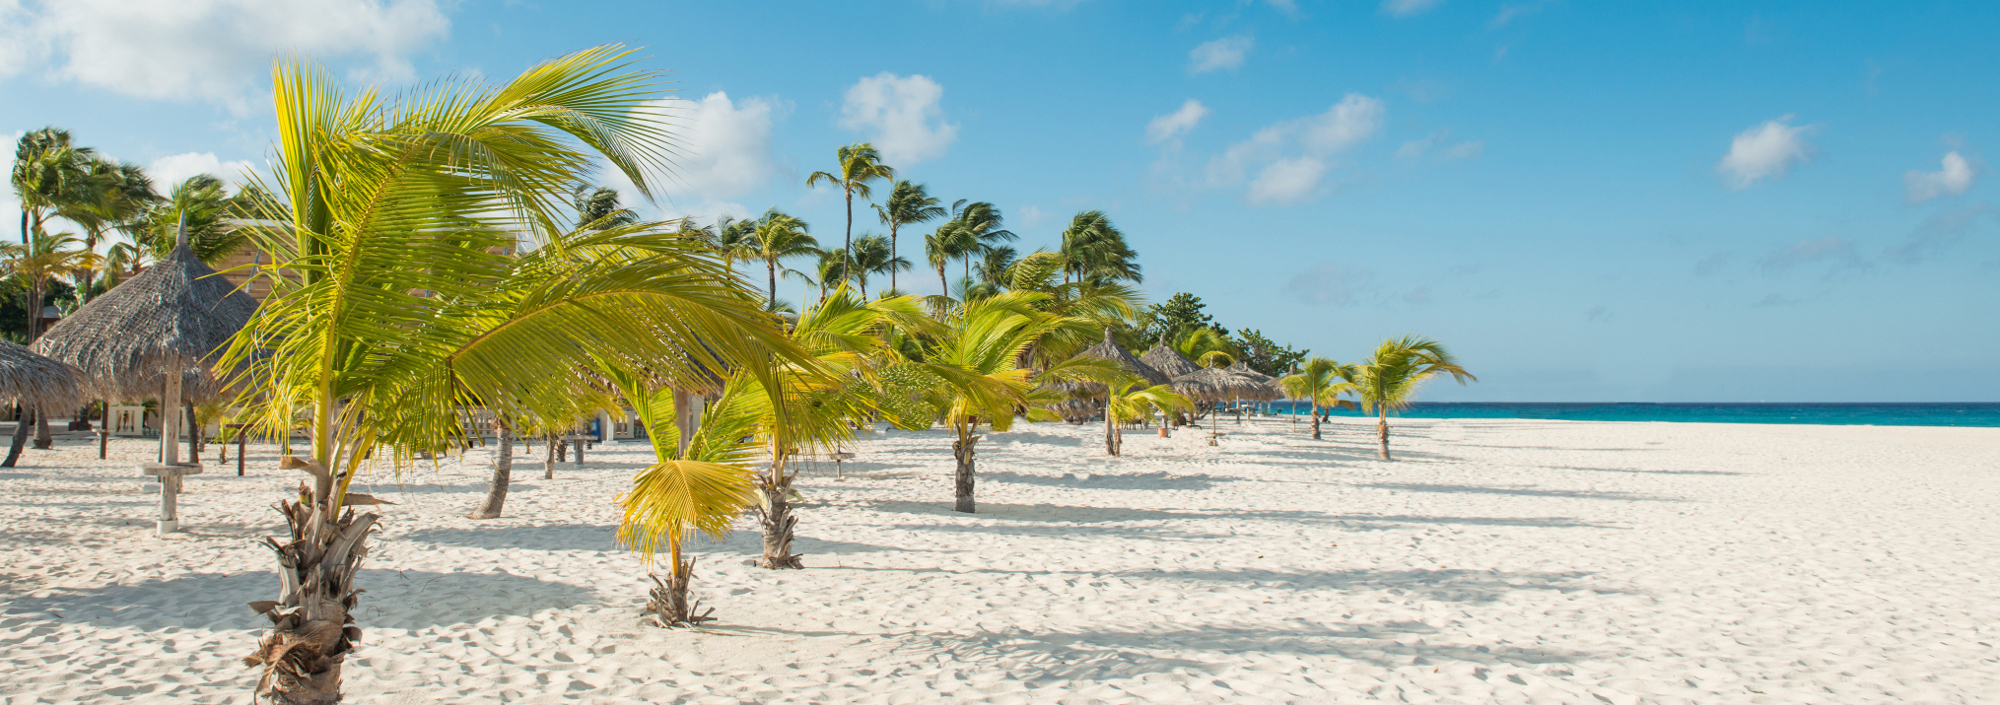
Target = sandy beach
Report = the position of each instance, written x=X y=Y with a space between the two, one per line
x=1496 y=561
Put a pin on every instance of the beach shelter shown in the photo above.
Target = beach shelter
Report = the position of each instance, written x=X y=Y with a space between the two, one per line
x=1168 y=361
x=1264 y=387
x=1107 y=350
x=156 y=335
x=35 y=382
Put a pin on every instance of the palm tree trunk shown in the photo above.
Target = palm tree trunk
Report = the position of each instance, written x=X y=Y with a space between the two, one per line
x=943 y=288
x=312 y=626
x=892 y=252
x=961 y=450
x=778 y=522
x=773 y=303
x=847 y=247
x=503 y=469
x=1315 y=412
x=549 y=461
x=1382 y=430
x=22 y=415
x=1110 y=430
x=194 y=433
x=670 y=605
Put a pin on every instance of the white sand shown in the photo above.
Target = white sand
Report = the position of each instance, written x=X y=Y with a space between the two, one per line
x=1498 y=561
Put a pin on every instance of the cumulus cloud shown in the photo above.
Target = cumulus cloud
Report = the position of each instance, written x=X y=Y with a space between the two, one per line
x=1439 y=145
x=1176 y=123
x=725 y=153
x=1954 y=177
x=1766 y=151
x=902 y=114
x=1286 y=181
x=169 y=171
x=1220 y=54
x=1406 y=8
x=1292 y=157
x=1328 y=283
x=207 y=49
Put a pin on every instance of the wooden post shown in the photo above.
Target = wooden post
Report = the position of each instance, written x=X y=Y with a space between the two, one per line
x=170 y=487
x=170 y=415
x=103 y=441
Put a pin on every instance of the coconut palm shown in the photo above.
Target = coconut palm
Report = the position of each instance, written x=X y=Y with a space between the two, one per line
x=1137 y=403
x=976 y=230
x=39 y=262
x=1095 y=250
x=776 y=237
x=873 y=254
x=908 y=204
x=598 y=208
x=1321 y=382
x=392 y=306
x=1388 y=381
x=973 y=358
x=732 y=238
x=1092 y=306
x=860 y=165
x=996 y=268
x=50 y=174
x=693 y=487
x=940 y=248
x=204 y=204
x=826 y=272
x=118 y=192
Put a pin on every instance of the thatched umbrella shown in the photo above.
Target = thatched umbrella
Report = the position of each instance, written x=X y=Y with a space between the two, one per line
x=1168 y=362
x=35 y=382
x=1266 y=388
x=1110 y=350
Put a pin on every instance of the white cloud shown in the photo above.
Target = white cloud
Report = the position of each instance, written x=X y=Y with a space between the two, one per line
x=1289 y=8
x=1292 y=157
x=1439 y=145
x=903 y=115
x=1220 y=54
x=1766 y=151
x=1406 y=8
x=1177 y=123
x=727 y=148
x=208 y=49
x=1954 y=177
x=1287 y=181
x=168 y=172
x=1513 y=12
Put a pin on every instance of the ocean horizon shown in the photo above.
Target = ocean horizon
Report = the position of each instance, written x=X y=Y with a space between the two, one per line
x=1986 y=414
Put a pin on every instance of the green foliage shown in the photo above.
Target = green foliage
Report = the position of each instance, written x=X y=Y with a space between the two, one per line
x=208 y=209
x=1265 y=355
x=1173 y=320
x=1389 y=380
x=1094 y=250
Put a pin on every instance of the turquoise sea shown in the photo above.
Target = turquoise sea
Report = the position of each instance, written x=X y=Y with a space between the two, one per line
x=1907 y=414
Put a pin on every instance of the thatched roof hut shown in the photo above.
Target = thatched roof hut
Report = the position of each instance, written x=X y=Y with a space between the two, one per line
x=1266 y=388
x=38 y=382
x=1211 y=385
x=1110 y=350
x=178 y=313
x=1168 y=362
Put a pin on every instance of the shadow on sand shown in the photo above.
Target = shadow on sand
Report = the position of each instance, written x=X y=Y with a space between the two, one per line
x=1517 y=491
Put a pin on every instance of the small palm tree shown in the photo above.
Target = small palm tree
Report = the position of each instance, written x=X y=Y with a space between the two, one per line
x=50 y=174
x=1136 y=403
x=205 y=205
x=693 y=487
x=1321 y=382
x=976 y=230
x=733 y=237
x=974 y=360
x=597 y=208
x=1389 y=380
x=778 y=237
x=874 y=255
x=860 y=165
x=43 y=259
x=908 y=204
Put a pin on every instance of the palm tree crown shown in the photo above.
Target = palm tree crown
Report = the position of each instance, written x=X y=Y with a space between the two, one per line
x=908 y=204
x=1389 y=380
x=874 y=255
x=776 y=237
x=1095 y=250
x=860 y=164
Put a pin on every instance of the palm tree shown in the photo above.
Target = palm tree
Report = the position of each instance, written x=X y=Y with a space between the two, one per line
x=1320 y=381
x=205 y=205
x=860 y=165
x=1095 y=250
x=908 y=204
x=1389 y=380
x=392 y=304
x=873 y=254
x=50 y=174
x=699 y=486
x=975 y=231
x=598 y=208
x=776 y=237
x=118 y=192
x=43 y=259
x=973 y=358
x=733 y=237
x=940 y=247
x=1136 y=403
x=1094 y=306
x=827 y=271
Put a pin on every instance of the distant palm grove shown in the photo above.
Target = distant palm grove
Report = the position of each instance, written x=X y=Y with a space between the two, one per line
x=441 y=253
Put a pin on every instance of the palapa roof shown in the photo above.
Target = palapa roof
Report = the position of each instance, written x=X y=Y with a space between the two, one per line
x=177 y=310
x=1267 y=386
x=1168 y=362
x=38 y=382
x=1111 y=350
x=1211 y=385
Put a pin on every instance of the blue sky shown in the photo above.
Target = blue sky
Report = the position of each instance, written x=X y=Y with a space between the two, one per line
x=1728 y=201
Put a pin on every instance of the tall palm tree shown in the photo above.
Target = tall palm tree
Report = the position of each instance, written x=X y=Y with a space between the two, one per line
x=392 y=306
x=860 y=165
x=49 y=174
x=940 y=248
x=776 y=237
x=118 y=192
x=733 y=237
x=974 y=361
x=1092 y=306
x=1095 y=250
x=205 y=205
x=873 y=254
x=1322 y=382
x=597 y=208
x=908 y=204
x=1389 y=380
x=976 y=229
